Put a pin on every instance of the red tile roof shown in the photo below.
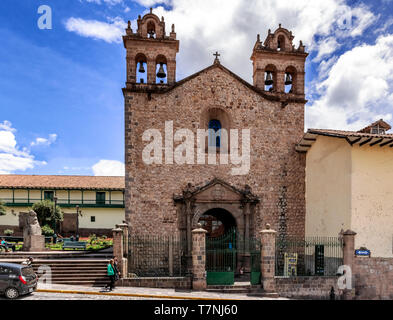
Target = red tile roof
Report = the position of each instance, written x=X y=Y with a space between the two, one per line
x=61 y=182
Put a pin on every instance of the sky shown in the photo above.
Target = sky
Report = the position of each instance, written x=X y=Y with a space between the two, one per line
x=61 y=104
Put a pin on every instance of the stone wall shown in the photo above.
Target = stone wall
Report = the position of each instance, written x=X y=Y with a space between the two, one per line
x=373 y=278
x=307 y=287
x=277 y=173
x=162 y=282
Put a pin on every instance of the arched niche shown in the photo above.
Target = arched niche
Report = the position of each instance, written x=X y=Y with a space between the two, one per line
x=290 y=73
x=141 y=68
x=270 y=75
x=161 y=65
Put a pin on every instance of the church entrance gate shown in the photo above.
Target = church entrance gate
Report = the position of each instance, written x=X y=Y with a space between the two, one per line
x=226 y=256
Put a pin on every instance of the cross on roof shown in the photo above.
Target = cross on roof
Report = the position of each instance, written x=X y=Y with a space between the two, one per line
x=216 y=55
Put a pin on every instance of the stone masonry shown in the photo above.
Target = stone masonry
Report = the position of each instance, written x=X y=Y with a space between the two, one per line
x=199 y=259
x=275 y=120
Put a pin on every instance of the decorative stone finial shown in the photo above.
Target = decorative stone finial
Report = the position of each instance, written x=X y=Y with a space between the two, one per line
x=129 y=24
x=162 y=18
x=199 y=225
x=151 y=10
x=279 y=25
x=258 y=38
x=267 y=226
x=173 y=27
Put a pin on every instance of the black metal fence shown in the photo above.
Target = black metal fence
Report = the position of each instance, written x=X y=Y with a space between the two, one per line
x=310 y=256
x=157 y=256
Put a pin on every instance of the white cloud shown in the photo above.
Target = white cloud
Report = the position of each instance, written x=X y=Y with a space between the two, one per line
x=325 y=48
x=109 y=168
x=207 y=25
x=108 y=31
x=44 y=141
x=12 y=158
x=358 y=89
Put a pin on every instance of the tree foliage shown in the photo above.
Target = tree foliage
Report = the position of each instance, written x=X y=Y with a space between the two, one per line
x=2 y=209
x=46 y=213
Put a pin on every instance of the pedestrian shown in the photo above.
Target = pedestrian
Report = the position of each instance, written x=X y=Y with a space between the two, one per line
x=111 y=274
x=116 y=268
x=7 y=245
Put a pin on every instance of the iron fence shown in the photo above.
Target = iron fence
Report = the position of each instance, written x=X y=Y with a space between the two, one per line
x=157 y=256
x=310 y=256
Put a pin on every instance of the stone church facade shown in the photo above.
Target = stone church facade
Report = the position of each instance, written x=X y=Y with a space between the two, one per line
x=169 y=198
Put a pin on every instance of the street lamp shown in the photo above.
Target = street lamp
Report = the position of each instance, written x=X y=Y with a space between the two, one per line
x=77 y=222
x=54 y=214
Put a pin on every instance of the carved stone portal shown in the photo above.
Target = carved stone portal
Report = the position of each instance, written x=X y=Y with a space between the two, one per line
x=234 y=207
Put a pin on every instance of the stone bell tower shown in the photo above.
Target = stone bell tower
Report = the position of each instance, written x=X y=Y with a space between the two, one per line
x=151 y=54
x=279 y=67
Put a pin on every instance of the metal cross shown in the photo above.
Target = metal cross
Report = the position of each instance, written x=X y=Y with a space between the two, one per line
x=217 y=55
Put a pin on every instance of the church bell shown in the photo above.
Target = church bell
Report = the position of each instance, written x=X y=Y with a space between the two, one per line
x=141 y=68
x=269 y=79
x=161 y=73
x=288 y=79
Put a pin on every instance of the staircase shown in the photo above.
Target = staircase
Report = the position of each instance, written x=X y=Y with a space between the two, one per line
x=87 y=272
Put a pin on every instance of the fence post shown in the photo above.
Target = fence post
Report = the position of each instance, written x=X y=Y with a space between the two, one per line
x=124 y=257
x=268 y=256
x=170 y=256
x=199 y=258
x=118 y=248
x=348 y=259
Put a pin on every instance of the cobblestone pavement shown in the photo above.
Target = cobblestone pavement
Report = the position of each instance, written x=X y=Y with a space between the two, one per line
x=143 y=293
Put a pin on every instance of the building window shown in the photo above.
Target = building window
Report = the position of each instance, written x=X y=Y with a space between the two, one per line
x=100 y=198
x=214 y=133
x=92 y=219
x=48 y=195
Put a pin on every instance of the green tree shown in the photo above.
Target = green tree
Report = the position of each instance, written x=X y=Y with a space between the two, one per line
x=46 y=214
x=2 y=209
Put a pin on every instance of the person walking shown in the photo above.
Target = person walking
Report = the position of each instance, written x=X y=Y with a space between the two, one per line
x=116 y=269
x=111 y=275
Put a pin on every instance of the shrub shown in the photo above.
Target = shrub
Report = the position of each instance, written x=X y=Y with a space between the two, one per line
x=8 y=232
x=92 y=238
x=47 y=230
x=46 y=213
x=2 y=209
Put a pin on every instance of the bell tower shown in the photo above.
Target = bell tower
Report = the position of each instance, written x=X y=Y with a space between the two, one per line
x=151 y=54
x=279 y=67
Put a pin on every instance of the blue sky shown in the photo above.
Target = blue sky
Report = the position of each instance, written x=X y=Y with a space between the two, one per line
x=61 y=105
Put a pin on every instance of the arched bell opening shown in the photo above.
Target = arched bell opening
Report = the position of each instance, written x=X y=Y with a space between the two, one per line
x=151 y=30
x=270 y=78
x=161 y=70
x=290 y=80
x=141 y=68
x=217 y=222
x=281 y=43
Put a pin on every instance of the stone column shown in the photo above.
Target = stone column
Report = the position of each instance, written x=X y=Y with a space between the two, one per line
x=124 y=257
x=118 y=248
x=349 y=260
x=199 y=258
x=268 y=256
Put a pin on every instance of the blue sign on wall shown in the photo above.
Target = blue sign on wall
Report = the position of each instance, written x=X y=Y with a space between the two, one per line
x=362 y=252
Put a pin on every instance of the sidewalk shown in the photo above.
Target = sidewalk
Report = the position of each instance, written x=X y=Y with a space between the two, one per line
x=148 y=293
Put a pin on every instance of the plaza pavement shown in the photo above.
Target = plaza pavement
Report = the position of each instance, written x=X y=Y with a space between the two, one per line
x=141 y=293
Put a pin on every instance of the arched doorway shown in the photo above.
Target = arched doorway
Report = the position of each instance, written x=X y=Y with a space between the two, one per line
x=217 y=222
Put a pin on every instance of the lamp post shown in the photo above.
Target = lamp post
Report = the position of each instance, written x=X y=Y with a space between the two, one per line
x=77 y=221
x=54 y=220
